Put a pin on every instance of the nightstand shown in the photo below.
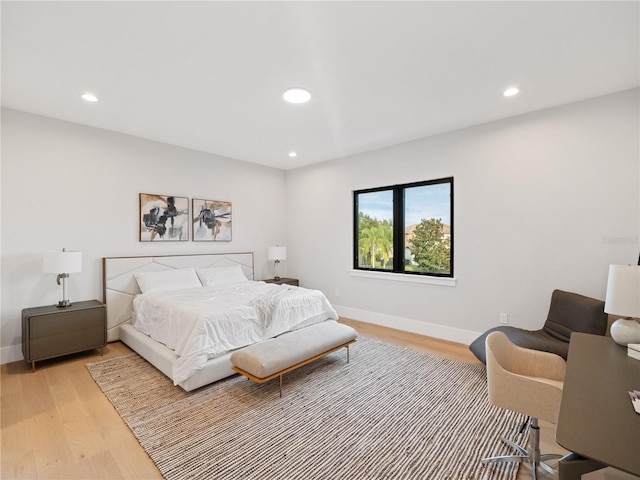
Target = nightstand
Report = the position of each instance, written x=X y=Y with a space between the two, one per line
x=51 y=331
x=283 y=281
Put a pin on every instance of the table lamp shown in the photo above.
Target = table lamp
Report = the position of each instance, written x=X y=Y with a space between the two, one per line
x=276 y=254
x=623 y=299
x=63 y=263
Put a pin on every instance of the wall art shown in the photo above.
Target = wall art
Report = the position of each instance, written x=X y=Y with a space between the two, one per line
x=163 y=218
x=211 y=220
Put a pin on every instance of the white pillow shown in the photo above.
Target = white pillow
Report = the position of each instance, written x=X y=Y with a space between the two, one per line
x=167 y=280
x=214 y=277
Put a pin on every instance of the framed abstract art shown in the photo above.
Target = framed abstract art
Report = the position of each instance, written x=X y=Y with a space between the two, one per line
x=211 y=220
x=164 y=218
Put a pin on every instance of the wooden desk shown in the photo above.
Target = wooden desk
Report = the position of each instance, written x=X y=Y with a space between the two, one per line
x=596 y=418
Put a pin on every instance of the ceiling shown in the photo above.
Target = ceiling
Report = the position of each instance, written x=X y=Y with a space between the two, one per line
x=210 y=75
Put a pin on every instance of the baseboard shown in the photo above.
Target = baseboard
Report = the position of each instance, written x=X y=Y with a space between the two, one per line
x=12 y=353
x=409 y=325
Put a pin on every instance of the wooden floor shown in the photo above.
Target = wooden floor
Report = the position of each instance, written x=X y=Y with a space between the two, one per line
x=57 y=424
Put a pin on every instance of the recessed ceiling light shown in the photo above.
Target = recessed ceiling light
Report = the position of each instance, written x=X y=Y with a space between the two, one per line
x=511 y=91
x=297 y=95
x=89 y=97
x=293 y=154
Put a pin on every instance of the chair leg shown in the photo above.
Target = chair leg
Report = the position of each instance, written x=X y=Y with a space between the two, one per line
x=515 y=446
x=531 y=455
x=522 y=456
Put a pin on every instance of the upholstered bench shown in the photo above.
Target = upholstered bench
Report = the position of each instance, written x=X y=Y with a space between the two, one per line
x=273 y=358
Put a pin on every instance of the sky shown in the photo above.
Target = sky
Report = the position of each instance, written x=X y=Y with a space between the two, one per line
x=428 y=201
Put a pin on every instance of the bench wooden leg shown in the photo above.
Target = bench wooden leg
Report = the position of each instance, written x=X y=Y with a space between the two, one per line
x=280 y=386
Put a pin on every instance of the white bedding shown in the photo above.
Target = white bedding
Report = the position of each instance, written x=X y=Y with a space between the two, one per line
x=206 y=322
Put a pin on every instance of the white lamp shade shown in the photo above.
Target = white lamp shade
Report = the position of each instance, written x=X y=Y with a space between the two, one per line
x=277 y=253
x=623 y=291
x=56 y=261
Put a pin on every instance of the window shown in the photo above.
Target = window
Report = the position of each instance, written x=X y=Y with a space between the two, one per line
x=415 y=219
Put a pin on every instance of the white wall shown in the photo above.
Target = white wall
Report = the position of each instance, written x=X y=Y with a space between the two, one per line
x=65 y=185
x=542 y=201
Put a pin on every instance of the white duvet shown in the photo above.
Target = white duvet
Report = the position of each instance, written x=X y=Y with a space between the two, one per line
x=206 y=322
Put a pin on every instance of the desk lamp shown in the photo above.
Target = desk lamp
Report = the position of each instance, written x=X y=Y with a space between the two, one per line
x=276 y=254
x=623 y=298
x=63 y=263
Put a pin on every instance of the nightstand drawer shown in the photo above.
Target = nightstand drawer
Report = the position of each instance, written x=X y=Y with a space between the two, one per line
x=66 y=342
x=54 y=324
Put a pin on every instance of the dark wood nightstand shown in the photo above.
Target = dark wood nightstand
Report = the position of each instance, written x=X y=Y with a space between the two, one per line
x=52 y=331
x=283 y=281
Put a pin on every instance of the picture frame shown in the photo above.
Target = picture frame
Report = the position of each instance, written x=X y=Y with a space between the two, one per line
x=164 y=218
x=211 y=220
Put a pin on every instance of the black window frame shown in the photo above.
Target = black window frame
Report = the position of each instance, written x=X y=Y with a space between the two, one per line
x=399 y=227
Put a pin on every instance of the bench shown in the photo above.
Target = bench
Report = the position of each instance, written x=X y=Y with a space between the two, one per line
x=273 y=358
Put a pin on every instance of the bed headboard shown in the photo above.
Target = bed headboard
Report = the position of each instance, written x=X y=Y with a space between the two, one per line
x=120 y=286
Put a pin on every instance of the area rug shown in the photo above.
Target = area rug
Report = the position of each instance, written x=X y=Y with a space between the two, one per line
x=391 y=413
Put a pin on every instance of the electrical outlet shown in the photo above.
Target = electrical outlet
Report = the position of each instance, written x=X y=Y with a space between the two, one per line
x=504 y=318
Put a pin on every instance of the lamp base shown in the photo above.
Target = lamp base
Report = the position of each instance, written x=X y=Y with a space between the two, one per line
x=64 y=303
x=277 y=269
x=625 y=331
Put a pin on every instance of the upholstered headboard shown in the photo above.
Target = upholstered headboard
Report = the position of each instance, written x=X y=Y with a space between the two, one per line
x=120 y=286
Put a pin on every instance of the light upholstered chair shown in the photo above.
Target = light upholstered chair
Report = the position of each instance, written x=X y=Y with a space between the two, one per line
x=528 y=382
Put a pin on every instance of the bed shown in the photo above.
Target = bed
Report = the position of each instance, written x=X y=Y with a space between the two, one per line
x=192 y=311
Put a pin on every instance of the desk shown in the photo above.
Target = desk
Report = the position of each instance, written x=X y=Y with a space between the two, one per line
x=596 y=418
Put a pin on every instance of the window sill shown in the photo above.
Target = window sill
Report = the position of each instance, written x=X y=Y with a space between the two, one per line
x=399 y=277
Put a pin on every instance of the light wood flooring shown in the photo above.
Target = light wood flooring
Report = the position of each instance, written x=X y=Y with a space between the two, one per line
x=57 y=424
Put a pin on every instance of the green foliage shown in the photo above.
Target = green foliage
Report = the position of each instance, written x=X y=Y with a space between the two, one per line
x=430 y=247
x=375 y=242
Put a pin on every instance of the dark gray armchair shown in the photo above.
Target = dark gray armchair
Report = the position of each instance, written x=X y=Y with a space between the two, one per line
x=569 y=312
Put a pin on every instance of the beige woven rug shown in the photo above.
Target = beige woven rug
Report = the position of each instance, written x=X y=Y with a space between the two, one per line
x=391 y=413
